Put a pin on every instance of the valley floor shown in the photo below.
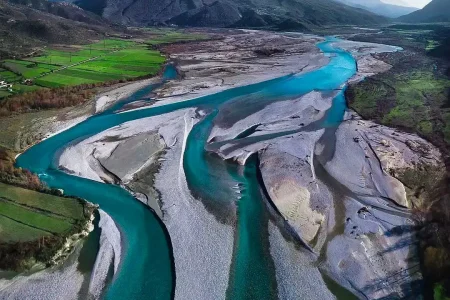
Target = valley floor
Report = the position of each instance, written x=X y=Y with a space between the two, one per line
x=338 y=218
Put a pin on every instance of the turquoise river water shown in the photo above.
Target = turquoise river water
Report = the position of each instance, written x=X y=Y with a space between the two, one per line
x=146 y=269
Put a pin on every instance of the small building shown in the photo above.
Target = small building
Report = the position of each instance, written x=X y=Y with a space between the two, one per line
x=28 y=82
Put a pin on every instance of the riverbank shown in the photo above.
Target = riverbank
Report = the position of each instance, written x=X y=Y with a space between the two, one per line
x=67 y=267
x=413 y=96
x=81 y=275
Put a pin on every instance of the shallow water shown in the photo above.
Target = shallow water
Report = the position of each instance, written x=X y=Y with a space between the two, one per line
x=146 y=270
x=252 y=274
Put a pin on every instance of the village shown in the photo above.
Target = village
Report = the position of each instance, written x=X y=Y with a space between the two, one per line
x=5 y=85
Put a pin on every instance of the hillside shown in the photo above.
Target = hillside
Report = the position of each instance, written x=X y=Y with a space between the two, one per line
x=289 y=14
x=24 y=29
x=435 y=11
x=62 y=9
x=380 y=8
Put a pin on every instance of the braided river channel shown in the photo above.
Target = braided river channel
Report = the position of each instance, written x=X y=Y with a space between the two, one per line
x=146 y=270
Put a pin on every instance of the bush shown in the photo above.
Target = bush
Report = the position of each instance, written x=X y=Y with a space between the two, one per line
x=21 y=256
x=17 y=176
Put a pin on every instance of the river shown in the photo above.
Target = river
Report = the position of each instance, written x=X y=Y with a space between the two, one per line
x=146 y=270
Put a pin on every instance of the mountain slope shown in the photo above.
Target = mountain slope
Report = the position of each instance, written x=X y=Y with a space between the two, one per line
x=435 y=11
x=24 y=29
x=231 y=13
x=397 y=2
x=62 y=9
x=380 y=8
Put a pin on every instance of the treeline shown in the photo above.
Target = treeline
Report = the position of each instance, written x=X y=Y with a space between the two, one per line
x=54 y=98
x=22 y=256
x=17 y=176
x=47 y=99
x=434 y=241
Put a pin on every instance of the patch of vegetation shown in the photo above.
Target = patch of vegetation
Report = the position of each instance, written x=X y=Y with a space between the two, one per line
x=12 y=175
x=432 y=44
x=47 y=99
x=4 y=93
x=415 y=96
x=33 y=224
x=19 y=131
x=64 y=207
x=16 y=232
x=26 y=69
x=75 y=71
x=8 y=75
x=420 y=184
x=439 y=292
x=410 y=100
x=31 y=218
x=170 y=36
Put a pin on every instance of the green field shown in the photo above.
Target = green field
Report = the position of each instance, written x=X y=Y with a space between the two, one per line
x=4 y=93
x=169 y=36
x=431 y=45
x=27 y=69
x=66 y=207
x=103 y=61
x=8 y=75
x=27 y=215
